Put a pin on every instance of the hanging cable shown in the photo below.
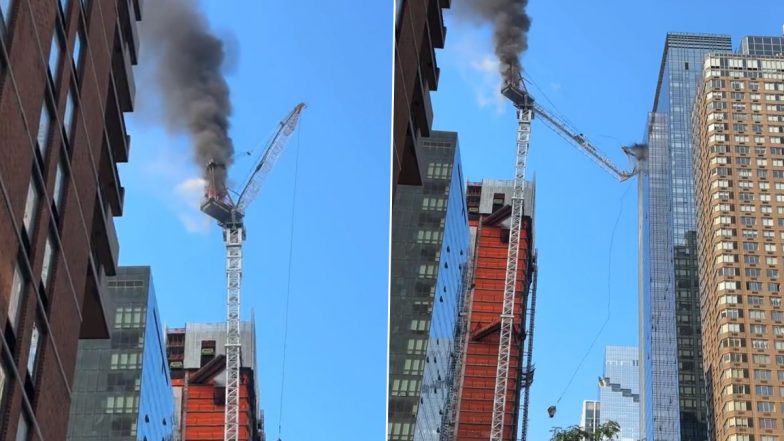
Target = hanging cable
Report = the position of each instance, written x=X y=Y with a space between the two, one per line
x=609 y=297
x=288 y=288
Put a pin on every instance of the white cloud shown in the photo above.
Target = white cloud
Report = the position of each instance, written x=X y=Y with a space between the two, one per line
x=478 y=67
x=195 y=222
x=189 y=193
x=191 y=190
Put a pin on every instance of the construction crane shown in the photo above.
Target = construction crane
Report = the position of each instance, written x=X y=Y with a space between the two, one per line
x=526 y=108
x=231 y=217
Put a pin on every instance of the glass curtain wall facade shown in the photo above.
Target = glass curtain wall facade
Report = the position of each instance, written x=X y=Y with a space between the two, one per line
x=762 y=46
x=429 y=252
x=619 y=394
x=673 y=395
x=122 y=390
x=589 y=419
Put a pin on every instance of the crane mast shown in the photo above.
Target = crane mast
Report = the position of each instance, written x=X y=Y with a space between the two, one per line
x=230 y=217
x=524 y=104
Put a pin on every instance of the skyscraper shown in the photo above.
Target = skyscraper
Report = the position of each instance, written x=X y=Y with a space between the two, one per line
x=739 y=166
x=489 y=220
x=590 y=415
x=429 y=254
x=619 y=391
x=197 y=360
x=672 y=393
x=65 y=80
x=122 y=390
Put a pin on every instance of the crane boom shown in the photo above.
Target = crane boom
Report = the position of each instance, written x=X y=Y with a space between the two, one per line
x=581 y=142
x=231 y=218
x=270 y=157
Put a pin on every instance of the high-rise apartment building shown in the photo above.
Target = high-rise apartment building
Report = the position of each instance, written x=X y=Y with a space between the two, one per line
x=672 y=387
x=590 y=415
x=429 y=255
x=739 y=167
x=65 y=81
x=619 y=391
x=197 y=360
x=122 y=390
x=489 y=211
x=419 y=30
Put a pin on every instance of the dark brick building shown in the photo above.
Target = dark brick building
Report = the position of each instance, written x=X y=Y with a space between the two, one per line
x=419 y=30
x=65 y=81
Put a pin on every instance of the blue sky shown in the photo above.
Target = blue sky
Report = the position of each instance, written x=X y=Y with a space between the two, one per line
x=335 y=56
x=596 y=64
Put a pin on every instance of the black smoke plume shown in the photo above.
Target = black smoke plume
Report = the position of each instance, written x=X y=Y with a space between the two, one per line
x=194 y=94
x=510 y=32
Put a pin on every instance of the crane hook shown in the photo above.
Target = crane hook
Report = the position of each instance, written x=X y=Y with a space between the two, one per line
x=551 y=411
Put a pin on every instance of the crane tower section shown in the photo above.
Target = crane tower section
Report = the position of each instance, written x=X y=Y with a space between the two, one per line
x=524 y=104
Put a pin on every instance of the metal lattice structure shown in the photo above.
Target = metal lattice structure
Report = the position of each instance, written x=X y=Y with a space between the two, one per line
x=524 y=118
x=234 y=235
x=230 y=217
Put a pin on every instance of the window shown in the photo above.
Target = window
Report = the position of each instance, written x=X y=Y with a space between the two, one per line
x=46 y=267
x=64 y=6
x=5 y=15
x=762 y=389
x=77 y=51
x=759 y=343
x=761 y=374
x=22 y=429
x=32 y=356
x=733 y=357
x=54 y=54
x=59 y=182
x=757 y=329
x=69 y=114
x=757 y=315
x=31 y=207
x=730 y=327
x=760 y=358
x=767 y=423
x=17 y=285
x=43 y=128
x=733 y=343
x=754 y=286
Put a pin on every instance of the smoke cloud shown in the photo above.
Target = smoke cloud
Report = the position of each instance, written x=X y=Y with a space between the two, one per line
x=187 y=68
x=510 y=31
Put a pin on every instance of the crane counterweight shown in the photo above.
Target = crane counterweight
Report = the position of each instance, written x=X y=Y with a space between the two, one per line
x=518 y=96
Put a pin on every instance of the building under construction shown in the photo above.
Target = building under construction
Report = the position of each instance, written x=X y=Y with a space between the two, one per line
x=197 y=362
x=489 y=215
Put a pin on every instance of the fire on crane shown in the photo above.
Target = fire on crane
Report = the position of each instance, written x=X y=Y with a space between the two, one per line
x=526 y=109
x=230 y=217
